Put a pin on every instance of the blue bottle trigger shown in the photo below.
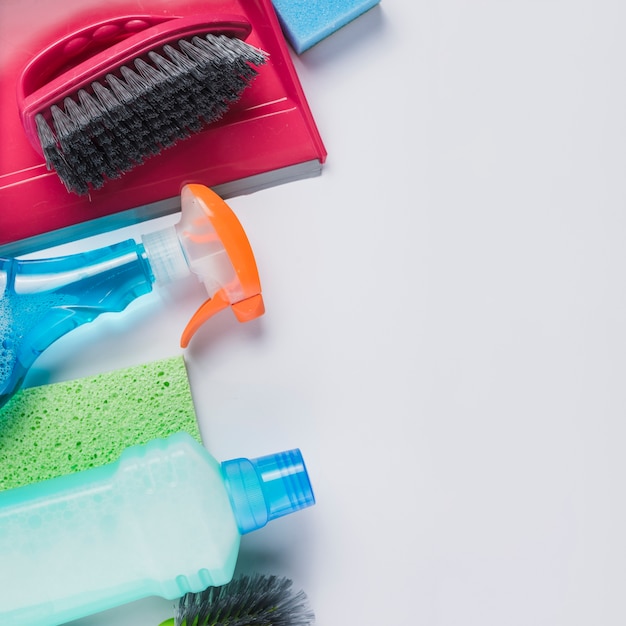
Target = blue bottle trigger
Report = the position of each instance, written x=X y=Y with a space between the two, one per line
x=268 y=487
x=42 y=299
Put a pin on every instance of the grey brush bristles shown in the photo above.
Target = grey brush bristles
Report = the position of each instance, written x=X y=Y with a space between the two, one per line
x=256 y=600
x=117 y=123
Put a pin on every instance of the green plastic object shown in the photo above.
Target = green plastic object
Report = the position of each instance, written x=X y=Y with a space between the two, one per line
x=165 y=519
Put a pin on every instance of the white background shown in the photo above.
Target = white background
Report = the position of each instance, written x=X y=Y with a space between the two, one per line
x=445 y=331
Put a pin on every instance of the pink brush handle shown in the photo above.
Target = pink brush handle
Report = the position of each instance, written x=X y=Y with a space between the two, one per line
x=78 y=59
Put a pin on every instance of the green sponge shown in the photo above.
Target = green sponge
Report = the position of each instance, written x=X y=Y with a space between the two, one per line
x=67 y=427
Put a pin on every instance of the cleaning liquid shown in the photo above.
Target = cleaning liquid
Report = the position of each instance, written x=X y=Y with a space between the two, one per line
x=43 y=299
x=165 y=519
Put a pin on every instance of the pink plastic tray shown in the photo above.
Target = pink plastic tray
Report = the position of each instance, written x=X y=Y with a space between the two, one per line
x=267 y=138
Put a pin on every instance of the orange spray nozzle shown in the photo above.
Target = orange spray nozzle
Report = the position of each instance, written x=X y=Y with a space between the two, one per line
x=210 y=242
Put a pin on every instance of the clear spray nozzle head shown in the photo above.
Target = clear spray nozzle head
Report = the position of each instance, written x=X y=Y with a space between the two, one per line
x=210 y=242
x=267 y=487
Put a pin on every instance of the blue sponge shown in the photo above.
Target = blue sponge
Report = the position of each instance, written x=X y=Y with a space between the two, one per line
x=306 y=22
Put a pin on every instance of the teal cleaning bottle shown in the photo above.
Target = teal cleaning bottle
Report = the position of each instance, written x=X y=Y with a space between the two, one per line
x=165 y=519
x=43 y=299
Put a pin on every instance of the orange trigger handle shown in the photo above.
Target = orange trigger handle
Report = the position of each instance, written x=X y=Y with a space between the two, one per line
x=219 y=253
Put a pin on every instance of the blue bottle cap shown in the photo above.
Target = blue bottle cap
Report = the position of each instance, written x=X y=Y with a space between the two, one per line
x=267 y=487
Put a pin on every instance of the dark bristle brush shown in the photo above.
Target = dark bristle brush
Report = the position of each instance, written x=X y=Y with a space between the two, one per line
x=99 y=102
x=256 y=600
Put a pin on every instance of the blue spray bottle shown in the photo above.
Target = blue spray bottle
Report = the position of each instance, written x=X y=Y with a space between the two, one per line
x=43 y=299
